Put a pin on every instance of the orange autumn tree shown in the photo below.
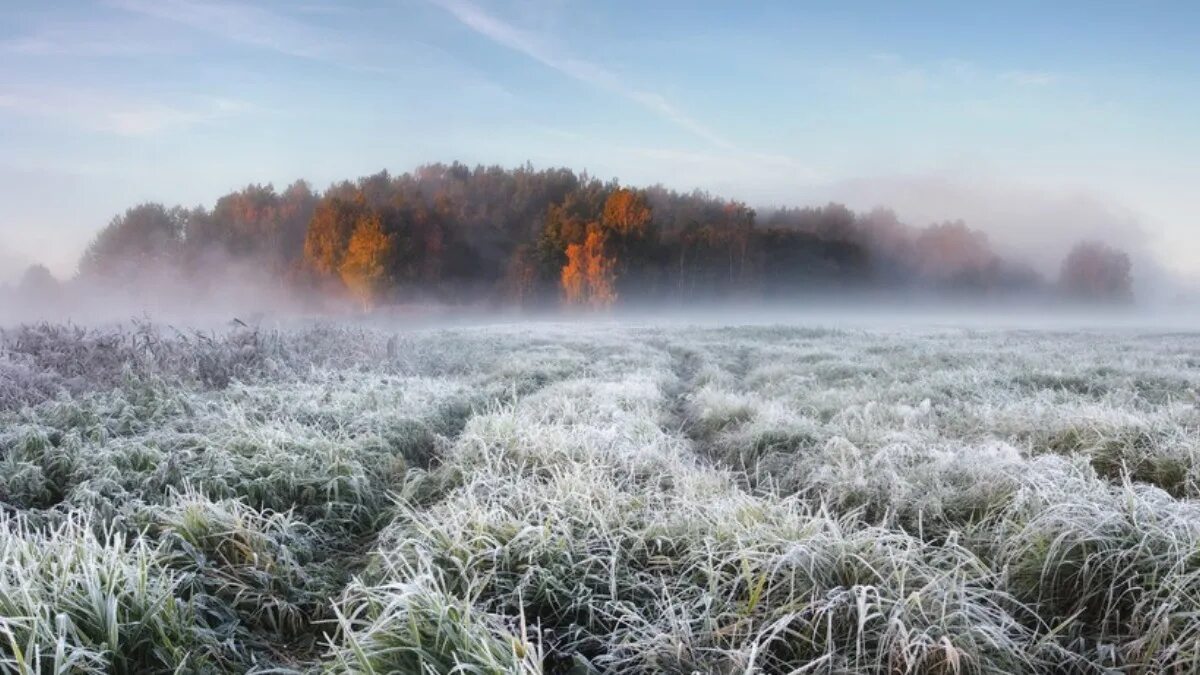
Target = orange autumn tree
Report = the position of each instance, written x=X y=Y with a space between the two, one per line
x=601 y=276
x=366 y=267
x=589 y=276
x=574 y=276
x=333 y=223
x=627 y=213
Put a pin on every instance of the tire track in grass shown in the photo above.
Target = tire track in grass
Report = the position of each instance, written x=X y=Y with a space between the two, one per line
x=355 y=562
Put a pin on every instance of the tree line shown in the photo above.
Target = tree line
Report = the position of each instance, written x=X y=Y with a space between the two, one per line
x=454 y=234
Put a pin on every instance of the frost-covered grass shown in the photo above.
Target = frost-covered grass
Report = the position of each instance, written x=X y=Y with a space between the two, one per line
x=601 y=498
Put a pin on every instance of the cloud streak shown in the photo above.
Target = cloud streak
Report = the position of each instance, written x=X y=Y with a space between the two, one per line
x=1029 y=78
x=254 y=26
x=57 y=44
x=132 y=119
x=731 y=158
x=243 y=23
x=102 y=38
x=531 y=45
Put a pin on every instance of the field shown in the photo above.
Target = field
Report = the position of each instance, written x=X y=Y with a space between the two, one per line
x=545 y=498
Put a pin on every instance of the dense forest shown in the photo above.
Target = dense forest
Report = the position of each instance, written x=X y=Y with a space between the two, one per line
x=455 y=235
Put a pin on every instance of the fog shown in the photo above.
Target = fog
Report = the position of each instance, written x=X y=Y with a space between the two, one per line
x=12 y=263
x=250 y=302
x=492 y=243
x=236 y=292
x=1033 y=224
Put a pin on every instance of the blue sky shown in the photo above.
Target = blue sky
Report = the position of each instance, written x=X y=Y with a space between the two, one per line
x=1039 y=124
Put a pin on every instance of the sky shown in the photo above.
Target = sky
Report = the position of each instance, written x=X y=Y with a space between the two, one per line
x=1039 y=124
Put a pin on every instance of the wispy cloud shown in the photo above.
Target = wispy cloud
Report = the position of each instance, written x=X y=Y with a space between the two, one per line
x=916 y=77
x=756 y=178
x=102 y=113
x=960 y=69
x=93 y=39
x=540 y=49
x=299 y=33
x=537 y=48
x=138 y=29
x=1029 y=78
x=156 y=118
x=244 y=23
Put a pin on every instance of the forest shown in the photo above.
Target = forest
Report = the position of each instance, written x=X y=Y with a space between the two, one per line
x=449 y=234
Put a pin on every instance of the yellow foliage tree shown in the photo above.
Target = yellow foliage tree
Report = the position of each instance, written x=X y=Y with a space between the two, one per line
x=626 y=212
x=574 y=276
x=329 y=234
x=589 y=277
x=365 y=269
x=601 y=274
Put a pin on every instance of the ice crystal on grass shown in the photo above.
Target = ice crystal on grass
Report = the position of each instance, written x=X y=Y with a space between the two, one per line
x=600 y=498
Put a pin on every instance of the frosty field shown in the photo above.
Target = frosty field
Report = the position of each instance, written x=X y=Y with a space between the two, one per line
x=605 y=498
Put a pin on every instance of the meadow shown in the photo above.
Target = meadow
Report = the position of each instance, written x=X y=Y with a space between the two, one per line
x=599 y=498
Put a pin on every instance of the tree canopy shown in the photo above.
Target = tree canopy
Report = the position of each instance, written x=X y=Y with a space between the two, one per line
x=1095 y=271
x=146 y=238
x=455 y=234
